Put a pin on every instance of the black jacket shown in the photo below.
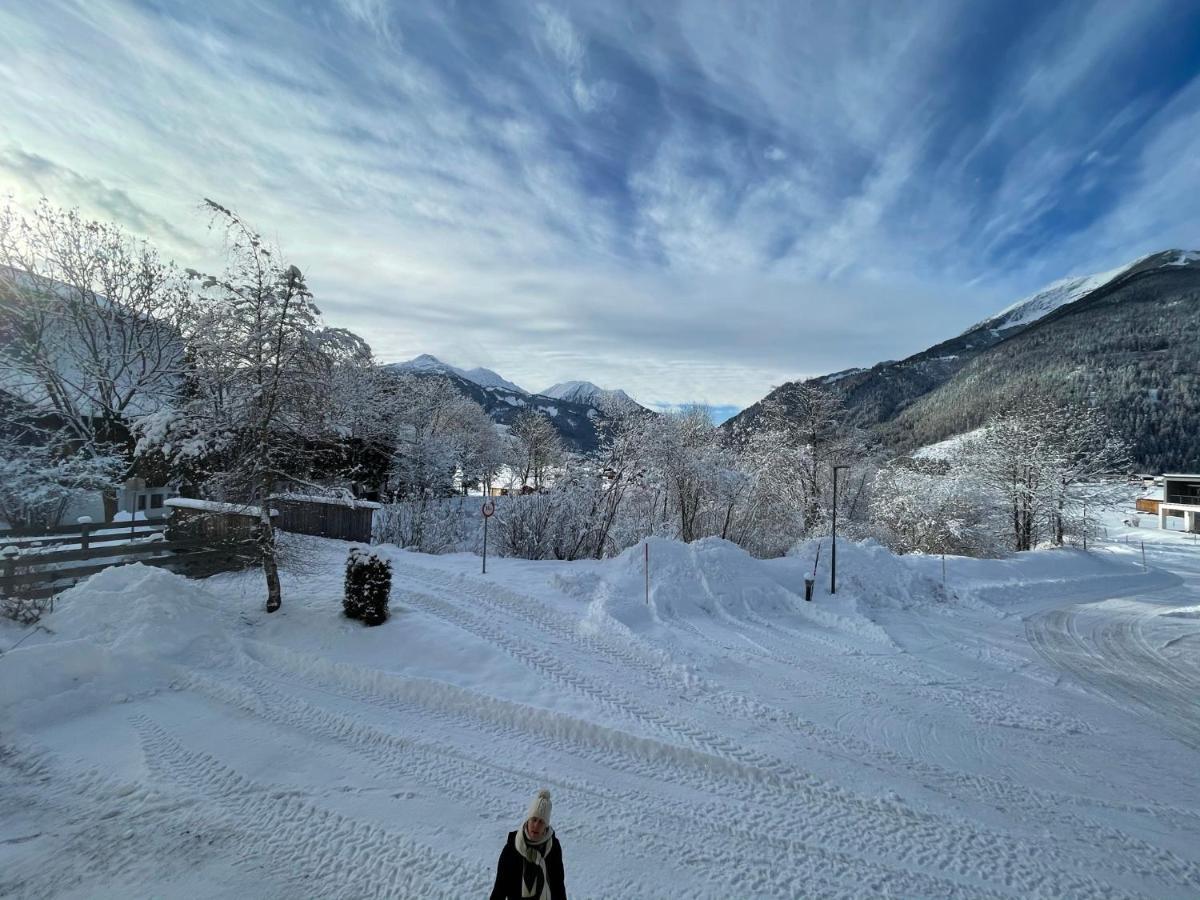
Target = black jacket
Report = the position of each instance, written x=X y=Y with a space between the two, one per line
x=513 y=868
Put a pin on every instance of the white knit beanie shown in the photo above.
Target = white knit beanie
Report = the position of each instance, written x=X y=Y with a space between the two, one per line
x=540 y=807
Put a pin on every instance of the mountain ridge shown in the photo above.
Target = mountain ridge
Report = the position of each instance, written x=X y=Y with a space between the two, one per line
x=1141 y=346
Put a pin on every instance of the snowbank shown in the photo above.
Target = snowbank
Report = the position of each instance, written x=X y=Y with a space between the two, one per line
x=716 y=580
x=127 y=631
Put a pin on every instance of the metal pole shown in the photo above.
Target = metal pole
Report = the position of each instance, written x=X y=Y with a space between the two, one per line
x=488 y=510
x=646 y=554
x=833 y=556
x=1144 y=569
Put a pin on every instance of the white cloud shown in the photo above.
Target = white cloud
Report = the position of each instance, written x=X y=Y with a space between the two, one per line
x=689 y=202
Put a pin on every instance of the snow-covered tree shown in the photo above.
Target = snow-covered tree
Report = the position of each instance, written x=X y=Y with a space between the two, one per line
x=686 y=464
x=1041 y=464
x=365 y=415
x=933 y=506
x=443 y=436
x=90 y=324
x=38 y=480
x=260 y=389
x=807 y=426
x=622 y=463
x=444 y=442
x=1087 y=453
x=537 y=448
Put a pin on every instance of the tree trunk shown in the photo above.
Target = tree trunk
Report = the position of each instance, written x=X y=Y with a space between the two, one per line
x=266 y=542
x=108 y=497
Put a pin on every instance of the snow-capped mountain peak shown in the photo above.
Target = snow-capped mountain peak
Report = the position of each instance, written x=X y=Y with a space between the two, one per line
x=480 y=376
x=584 y=392
x=1068 y=290
x=487 y=378
x=1050 y=298
x=425 y=363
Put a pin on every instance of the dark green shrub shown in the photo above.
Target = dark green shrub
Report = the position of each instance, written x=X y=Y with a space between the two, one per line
x=368 y=586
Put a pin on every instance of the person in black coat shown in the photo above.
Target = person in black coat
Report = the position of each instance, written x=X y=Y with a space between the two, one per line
x=531 y=863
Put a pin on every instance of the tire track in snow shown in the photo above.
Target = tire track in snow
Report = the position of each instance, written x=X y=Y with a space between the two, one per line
x=106 y=831
x=602 y=808
x=307 y=843
x=1109 y=654
x=781 y=799
x=1048 y=808
x=675 y=825
x=553 y=669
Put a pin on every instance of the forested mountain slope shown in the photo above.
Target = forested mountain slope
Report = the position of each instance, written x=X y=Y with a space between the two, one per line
x=575 y=422
x=1127 y=340
x=1132 y=348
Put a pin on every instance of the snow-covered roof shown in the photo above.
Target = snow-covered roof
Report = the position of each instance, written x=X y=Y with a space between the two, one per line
x=333 y=501
x=122 y=341
x=231 y=509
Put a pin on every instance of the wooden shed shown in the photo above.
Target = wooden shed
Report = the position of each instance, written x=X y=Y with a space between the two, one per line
x=227 y=527
x=209 y=520
x=1148 y=504
x=332 y=517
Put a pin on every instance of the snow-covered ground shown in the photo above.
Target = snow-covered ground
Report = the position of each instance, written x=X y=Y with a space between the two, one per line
x=1027 y=728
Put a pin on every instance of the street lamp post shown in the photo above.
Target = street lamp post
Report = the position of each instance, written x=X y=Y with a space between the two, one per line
x=833 y=558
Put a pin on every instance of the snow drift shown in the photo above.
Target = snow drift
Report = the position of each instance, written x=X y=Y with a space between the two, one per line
x=127 y=631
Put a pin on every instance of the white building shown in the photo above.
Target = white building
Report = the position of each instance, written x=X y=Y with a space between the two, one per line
x=1181 y=499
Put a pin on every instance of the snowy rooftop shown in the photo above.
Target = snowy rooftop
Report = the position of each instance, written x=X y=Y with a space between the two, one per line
x=350 y=502
x=235 y=509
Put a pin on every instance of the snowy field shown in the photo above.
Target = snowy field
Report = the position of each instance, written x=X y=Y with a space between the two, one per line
x=1029 y=729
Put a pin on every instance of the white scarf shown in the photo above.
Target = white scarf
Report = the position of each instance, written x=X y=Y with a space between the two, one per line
x=528 y=851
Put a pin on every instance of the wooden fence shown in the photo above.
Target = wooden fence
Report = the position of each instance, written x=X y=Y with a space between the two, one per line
x=36 y=566
x=331 y=518
x=87 y=534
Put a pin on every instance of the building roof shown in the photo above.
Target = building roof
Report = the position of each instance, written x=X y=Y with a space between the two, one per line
x=234 y=509
x=333 y=501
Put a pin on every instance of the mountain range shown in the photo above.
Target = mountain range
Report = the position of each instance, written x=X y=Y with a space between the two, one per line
x=572 y=406
x=1125 y=340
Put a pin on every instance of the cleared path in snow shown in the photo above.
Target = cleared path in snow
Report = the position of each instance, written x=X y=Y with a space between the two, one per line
x=1140 y=652
x=730 y=742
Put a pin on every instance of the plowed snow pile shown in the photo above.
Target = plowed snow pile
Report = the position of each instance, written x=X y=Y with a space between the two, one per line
x=1010 y=728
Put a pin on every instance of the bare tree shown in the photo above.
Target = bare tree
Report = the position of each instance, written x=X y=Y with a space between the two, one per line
x=802 y=434
x=1038 y=457
x=89 y=329
x=260 y=386
x=539 y=447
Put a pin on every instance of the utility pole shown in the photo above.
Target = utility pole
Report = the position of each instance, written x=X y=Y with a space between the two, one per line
x=833 y=557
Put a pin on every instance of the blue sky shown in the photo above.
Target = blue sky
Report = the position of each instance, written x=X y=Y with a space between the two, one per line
x=690 y=201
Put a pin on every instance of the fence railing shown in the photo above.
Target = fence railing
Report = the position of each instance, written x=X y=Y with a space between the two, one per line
x=41 y=569
x=84 y=533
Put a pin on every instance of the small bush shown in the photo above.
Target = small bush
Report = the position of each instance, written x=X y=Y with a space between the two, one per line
x=368 y=587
